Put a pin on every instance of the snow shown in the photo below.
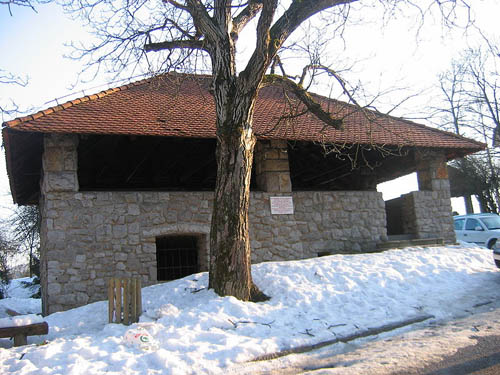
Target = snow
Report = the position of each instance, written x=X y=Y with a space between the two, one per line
x=17 y=288
x=194 y=331
x=18 y=299
x=21 y=320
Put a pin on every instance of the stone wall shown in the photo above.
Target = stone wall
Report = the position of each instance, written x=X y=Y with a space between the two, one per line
x=271 y=166
x=425 y=213
x=428 y=215
x=88 y=237
x=91 y=236
x=431 y=205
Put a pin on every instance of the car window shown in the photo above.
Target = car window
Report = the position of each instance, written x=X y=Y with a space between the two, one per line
x=459 y=224
x=471 y=224
x=492 y=222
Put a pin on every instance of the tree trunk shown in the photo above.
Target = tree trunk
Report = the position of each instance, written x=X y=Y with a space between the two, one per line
x=230 y=264
x=230 y=272
x=469 y=208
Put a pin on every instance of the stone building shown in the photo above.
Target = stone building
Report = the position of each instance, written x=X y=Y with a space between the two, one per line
x=124 y=182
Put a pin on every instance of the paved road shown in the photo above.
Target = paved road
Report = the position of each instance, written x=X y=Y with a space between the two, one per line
x=467 y=345
x=480 y=359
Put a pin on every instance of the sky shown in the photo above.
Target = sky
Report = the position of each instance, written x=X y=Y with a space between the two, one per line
x=34 y=44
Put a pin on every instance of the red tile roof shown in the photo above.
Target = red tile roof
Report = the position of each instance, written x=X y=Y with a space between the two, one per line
x=182 y=106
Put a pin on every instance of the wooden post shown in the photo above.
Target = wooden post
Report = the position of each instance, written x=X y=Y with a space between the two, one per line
x=111 y=299
x=20 y=339
x=124 y=306
x=138 y=298
x=126 y=300
x=118 y=300
x=133 y=300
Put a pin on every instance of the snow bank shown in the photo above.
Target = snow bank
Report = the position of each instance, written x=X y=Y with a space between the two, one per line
x=18 y=299
x=17 y=289
x=21 y=320
x=20 y=305
x=313 y=300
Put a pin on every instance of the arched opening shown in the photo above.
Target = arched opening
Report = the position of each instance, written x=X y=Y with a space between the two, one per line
x=176 y=256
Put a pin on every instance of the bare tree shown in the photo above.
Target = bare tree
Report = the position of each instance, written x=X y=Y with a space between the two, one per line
x=24 y=225
x=22 y=3
x=471 y=89
x=7 y=78
x=7 y=250
x=193 y=35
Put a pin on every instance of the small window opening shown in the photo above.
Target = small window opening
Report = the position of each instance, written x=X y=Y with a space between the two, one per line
x=324 y=253
x=176 y=257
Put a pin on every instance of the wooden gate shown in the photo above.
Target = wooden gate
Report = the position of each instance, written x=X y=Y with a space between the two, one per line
x=125 y=300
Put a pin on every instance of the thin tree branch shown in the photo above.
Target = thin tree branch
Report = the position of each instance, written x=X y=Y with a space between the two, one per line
x=306 y=98
x=178 y=44
x=178 y=5
x=295 y=15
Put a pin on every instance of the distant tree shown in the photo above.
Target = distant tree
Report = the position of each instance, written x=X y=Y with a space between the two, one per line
x=6 y=253
x=24 y=226
x=476 y=174
x=34 y=283
x=193 y=35
x=471 y=107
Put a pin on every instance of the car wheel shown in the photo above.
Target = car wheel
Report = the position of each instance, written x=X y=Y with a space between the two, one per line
x=494 y=244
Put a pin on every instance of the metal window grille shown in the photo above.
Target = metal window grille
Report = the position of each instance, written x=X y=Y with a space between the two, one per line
x=176 y=257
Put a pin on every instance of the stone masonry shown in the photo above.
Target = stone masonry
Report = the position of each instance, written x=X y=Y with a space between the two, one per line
x=88 y=237
x=271 y=166
x=427 y=213
x=432 y=203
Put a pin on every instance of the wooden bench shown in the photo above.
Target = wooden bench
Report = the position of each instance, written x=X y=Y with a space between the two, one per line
x=21 y=333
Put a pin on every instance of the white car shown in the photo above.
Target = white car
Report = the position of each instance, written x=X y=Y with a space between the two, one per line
x=482 y=229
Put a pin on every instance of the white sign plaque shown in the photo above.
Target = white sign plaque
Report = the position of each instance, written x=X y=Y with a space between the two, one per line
x=281 y=205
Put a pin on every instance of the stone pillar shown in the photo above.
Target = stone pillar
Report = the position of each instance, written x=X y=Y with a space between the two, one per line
x=432 y=172
x=59 y=163
x=272 y=167
x=431 y=215
x=59 y=175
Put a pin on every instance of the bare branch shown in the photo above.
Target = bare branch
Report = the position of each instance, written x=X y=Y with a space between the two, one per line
x=170 y=45
x=21 y=3
x=295 y=15
x=261 y=58
x=12 y=79
x=348 y=92
x=204 y=24
x=245 y=16
x=306 y=98
x=178 y=5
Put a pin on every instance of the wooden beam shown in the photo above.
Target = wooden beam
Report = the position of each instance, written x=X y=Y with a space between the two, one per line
x=20 y=333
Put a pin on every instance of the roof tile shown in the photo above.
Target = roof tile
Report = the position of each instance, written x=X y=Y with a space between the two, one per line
x=181 y=105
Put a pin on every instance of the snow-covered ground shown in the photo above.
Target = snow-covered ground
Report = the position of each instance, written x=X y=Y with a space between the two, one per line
x=196 y=332
x=19 y=299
